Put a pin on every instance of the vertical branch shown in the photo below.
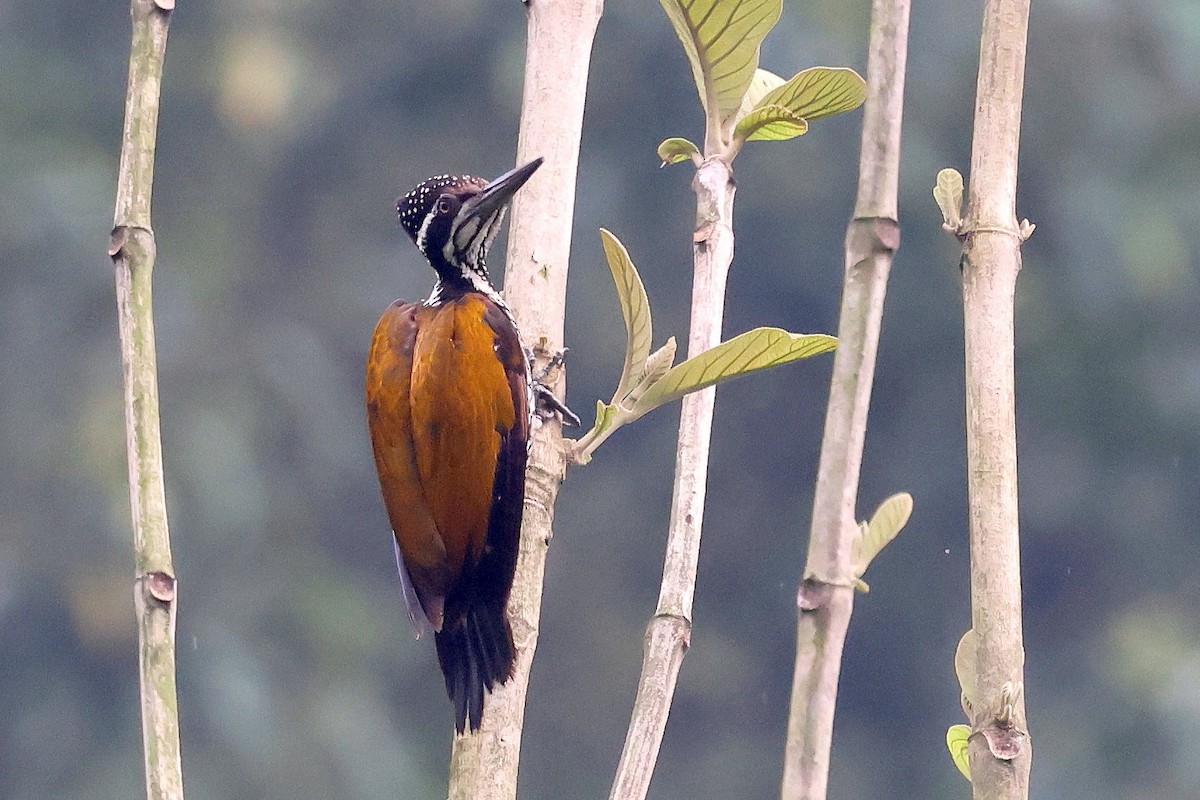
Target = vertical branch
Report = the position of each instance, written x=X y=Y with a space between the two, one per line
x=1000 y=758
x=669 y=631
x=826 y=597
x=132 y=249
x=558 y=53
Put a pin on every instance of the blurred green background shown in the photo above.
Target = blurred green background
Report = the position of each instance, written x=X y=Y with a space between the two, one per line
x=287 y=131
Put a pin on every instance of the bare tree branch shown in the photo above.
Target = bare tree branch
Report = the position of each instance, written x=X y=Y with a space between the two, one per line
x=132 y=249
x=1000 y=751
x=669 y=631
x=826 y=598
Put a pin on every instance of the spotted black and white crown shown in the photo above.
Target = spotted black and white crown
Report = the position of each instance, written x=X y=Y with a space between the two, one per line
x=413 y=207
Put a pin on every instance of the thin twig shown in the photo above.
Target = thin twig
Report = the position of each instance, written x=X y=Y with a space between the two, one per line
x=560 y=32
x=132 y=249
x=669 y=631
x=1000 y=751
x=826 y=598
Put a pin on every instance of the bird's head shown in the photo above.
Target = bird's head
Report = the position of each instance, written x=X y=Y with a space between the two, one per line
x=454 y=218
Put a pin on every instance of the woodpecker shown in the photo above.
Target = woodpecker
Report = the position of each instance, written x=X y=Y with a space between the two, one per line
x=450 y=406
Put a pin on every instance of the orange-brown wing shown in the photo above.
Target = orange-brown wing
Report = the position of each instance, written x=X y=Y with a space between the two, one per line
x=421 y=553
x=508 y=503
x=464 y=415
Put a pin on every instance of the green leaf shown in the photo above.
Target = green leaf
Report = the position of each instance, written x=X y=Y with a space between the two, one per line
x=770 y=123
x=741 y=355
x=675 y=149
x=635 y=308
x=721 y=39
x=948 y=193
x=892 y=515
x=657 y=365
x=886 y=522
x=864 y=531
x=604 y=416
x=818 y=92
x=762 y=82
x=958 y=743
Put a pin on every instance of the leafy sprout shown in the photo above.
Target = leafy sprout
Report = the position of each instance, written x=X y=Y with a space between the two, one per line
x=652 y=379
x=741 y=102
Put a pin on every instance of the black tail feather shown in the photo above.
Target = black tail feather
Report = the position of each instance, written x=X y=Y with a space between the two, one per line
x=475 y=652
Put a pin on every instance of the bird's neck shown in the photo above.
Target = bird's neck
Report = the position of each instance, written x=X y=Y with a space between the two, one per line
x=455 y=280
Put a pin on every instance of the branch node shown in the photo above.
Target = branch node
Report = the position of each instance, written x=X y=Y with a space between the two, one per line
x=161 y=586
x=883 y=233
x=116 y=241
x=1005 y=742
x=678 y=626
x=813 y=594
x=120 y=236
x=887 y=234
x=965 y=231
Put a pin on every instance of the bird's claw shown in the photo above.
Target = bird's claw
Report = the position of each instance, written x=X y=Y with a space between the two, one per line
x=554 y=362
x=546 y=405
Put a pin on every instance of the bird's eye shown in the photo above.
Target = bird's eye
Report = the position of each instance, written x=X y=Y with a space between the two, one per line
x=444 y=204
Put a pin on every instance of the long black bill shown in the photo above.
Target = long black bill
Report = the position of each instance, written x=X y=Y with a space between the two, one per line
x=494 y=196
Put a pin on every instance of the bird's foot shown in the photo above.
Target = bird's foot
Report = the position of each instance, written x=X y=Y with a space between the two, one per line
x=546 y=405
